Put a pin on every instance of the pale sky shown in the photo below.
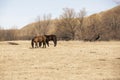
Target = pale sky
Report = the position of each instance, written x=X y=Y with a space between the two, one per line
x=18 y=13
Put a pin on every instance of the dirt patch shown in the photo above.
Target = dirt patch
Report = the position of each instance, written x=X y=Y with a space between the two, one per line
x=13 y=43
x=118 y=58
x=102 y=59
x=93 y=52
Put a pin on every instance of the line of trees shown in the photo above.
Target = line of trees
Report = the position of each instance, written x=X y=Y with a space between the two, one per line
x=11 y=34
x=71 y=25
x=76 y=26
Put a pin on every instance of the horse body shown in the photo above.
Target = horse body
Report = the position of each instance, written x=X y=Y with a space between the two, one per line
x=40 y=39
x=51 y=38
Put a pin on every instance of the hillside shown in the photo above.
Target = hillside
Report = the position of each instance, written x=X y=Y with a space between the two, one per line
x=97 y=27
x=115 y=10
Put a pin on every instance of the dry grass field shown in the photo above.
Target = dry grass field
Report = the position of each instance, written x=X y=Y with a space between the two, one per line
x=70 y=60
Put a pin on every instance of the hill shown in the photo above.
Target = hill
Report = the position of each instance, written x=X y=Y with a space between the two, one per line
x=100 y=26
x=105 y=23
x=115 y=10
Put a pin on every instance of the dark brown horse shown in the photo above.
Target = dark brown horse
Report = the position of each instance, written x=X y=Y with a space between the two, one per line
x=51 y=38
x=38 y=39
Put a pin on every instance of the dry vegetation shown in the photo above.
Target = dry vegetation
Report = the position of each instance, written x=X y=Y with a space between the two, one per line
x=70 y=60
x=71 y=25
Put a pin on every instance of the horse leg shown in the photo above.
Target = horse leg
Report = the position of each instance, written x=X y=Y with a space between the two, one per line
x=32 y=43
x=40 y=44
x=36 y=45
x=47 y=43
x=55 y=42
x=44 y=45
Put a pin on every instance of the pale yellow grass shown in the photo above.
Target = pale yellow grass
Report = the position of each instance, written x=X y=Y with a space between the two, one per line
x=72 y=60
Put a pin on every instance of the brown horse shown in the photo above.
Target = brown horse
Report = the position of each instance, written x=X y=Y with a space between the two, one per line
x=40 y=39
x=51 y=38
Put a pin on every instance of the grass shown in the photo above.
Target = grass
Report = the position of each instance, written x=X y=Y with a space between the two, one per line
x=70 y=60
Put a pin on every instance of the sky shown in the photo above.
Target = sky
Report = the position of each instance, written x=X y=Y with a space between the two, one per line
x=19 y=13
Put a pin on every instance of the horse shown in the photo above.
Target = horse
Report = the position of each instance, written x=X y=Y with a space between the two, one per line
x=40 y=39
x=51 y=38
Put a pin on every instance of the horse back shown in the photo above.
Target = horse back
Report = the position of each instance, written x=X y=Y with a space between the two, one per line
x=43 y=38
x=51 y=37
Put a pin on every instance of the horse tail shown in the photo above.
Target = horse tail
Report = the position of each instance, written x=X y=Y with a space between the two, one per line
x=32 y=43
x=44 y=41
x=47 y=40
x=55 y=41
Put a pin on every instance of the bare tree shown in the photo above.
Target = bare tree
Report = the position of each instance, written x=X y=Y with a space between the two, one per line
x=1 y=33
x=111 y=24
x=80 y=17
x=93 y=27
x=68 y=22
x=42 y=25
x=71 y=23
x=38 y=26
